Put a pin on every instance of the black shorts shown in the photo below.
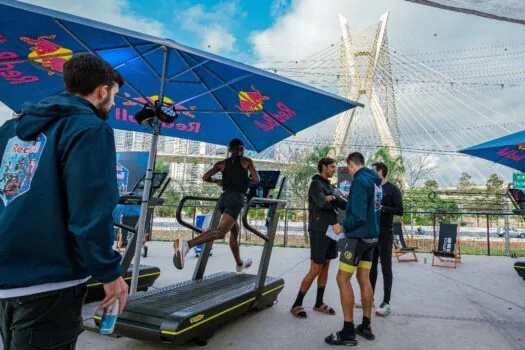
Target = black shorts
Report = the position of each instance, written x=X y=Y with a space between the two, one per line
x=356 y=253
x=322 y=248
x=231 y=203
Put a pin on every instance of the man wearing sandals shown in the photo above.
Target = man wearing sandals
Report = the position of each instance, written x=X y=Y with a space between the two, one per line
x=323 y=213
x=361 y=230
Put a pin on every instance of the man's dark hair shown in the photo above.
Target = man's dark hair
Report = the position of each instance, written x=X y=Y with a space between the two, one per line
x=324 y=161
x=381 y=166
x=356 y=158
x=84 y=73
x=235 y=143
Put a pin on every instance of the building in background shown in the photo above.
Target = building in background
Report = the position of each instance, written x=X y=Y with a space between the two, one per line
x=181 y=173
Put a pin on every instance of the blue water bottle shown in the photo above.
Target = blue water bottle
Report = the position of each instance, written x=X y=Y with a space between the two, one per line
x=109 y=319
x=259 y=194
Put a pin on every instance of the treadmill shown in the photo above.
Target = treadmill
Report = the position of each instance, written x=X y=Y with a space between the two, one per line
x=194 y=309
x=147 y=274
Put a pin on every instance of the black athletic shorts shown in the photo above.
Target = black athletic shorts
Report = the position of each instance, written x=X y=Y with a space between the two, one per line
x=231 y=203
x=322 y=248
x=356 y=253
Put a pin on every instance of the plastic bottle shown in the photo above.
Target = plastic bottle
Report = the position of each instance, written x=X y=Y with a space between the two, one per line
x=259 y=193
x=109 y=319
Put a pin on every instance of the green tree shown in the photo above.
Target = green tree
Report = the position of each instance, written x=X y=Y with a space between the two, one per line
x=494 y=185
x=464 y=183
x=396 y=168
x=300 y=174
x=494 y=188
x=431 y=185
x=161 y=166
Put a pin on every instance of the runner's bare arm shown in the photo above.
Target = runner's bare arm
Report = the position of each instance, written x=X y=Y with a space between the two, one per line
x=253 y=172
x=207 y=177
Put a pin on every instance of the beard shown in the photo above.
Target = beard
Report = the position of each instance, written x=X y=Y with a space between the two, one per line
x=104 y=107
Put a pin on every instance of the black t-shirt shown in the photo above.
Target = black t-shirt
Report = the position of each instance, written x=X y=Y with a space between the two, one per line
x=392 y=204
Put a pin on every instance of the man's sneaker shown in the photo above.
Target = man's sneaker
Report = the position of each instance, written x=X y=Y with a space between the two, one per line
x=383 y=310
x=245 y=265
x=365 y=332
x=359 y=304
x=181 y=249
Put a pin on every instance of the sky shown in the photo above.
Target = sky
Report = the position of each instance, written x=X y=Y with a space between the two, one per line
x=262 y=31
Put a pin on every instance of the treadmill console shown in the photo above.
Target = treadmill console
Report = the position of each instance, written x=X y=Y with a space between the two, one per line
x=269 y=179
x=157 y=188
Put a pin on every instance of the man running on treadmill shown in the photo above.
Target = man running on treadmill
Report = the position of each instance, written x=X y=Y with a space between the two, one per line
x=236 y=172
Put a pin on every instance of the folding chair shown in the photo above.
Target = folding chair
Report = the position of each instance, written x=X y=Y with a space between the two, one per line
x=400 y=247
x=448 y=250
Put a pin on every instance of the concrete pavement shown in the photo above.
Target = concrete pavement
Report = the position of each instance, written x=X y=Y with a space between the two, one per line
x=480 y=305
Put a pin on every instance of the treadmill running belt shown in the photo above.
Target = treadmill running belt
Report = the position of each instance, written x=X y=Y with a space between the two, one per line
x=161 y=303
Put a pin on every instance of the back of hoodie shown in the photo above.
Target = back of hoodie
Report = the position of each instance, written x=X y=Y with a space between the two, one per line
x=363 y=209
x=58 y=189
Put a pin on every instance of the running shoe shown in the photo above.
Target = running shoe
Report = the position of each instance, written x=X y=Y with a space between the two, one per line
x=181 y=249
x=383 y=310
x=245 y=265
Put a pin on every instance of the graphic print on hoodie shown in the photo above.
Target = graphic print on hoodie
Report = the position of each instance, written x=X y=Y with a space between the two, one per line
x=19 y=164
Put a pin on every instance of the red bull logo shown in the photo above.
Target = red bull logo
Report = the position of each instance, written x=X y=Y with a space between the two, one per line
x=511 y=154
x=272 y=120
x=7 y=68
x=521 y=147
x=251 y=101
x=152 y=99
x=26 y=150
x=50 y=55
x=121 y=114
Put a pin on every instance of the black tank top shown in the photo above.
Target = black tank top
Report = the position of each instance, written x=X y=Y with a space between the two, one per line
x=235 y=177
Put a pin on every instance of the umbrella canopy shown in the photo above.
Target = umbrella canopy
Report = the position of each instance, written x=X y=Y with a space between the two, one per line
x=508 y=11
x=216 y=99
x=507 y=150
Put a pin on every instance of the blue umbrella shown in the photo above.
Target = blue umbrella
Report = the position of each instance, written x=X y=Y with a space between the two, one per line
x=171 y=89
x=507 y=150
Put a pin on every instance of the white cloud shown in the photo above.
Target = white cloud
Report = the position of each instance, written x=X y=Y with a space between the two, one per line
x=114 y=12
x=311 y=26
x=213 y=27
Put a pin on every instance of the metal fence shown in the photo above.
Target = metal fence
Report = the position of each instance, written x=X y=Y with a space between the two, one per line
x=481 y=233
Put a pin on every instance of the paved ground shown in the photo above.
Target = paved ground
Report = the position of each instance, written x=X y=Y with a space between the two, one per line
x=481 y=305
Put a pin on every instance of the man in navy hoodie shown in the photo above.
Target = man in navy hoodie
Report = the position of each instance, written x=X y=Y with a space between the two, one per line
x=361 y=230
x=58 y=188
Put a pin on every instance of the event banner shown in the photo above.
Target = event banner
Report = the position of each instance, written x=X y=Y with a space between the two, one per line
x=131 y=167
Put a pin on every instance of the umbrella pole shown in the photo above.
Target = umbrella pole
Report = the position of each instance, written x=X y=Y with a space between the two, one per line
x=144 y=205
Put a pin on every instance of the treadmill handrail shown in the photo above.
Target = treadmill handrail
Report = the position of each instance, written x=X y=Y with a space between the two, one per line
x=124 y=227
x=181 y=206
x=256 y=200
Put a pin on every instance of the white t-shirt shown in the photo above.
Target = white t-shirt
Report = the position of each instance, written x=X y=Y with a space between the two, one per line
x=40 y=288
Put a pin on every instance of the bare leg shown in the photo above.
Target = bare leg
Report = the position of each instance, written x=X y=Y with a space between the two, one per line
x=347 y=294
x=310 y=277
x=234 y=244
x=323 y=274
x=225 y=225
x=367 y=293
x=305 y=286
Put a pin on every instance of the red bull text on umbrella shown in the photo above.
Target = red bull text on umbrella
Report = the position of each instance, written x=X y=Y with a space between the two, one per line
x=7 y=69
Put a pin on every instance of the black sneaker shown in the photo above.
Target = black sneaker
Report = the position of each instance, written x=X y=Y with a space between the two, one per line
x=365 y=332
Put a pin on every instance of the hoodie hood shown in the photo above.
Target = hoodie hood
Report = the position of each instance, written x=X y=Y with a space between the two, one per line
x=36 y=118
x=370 y=174
x=320 y=178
